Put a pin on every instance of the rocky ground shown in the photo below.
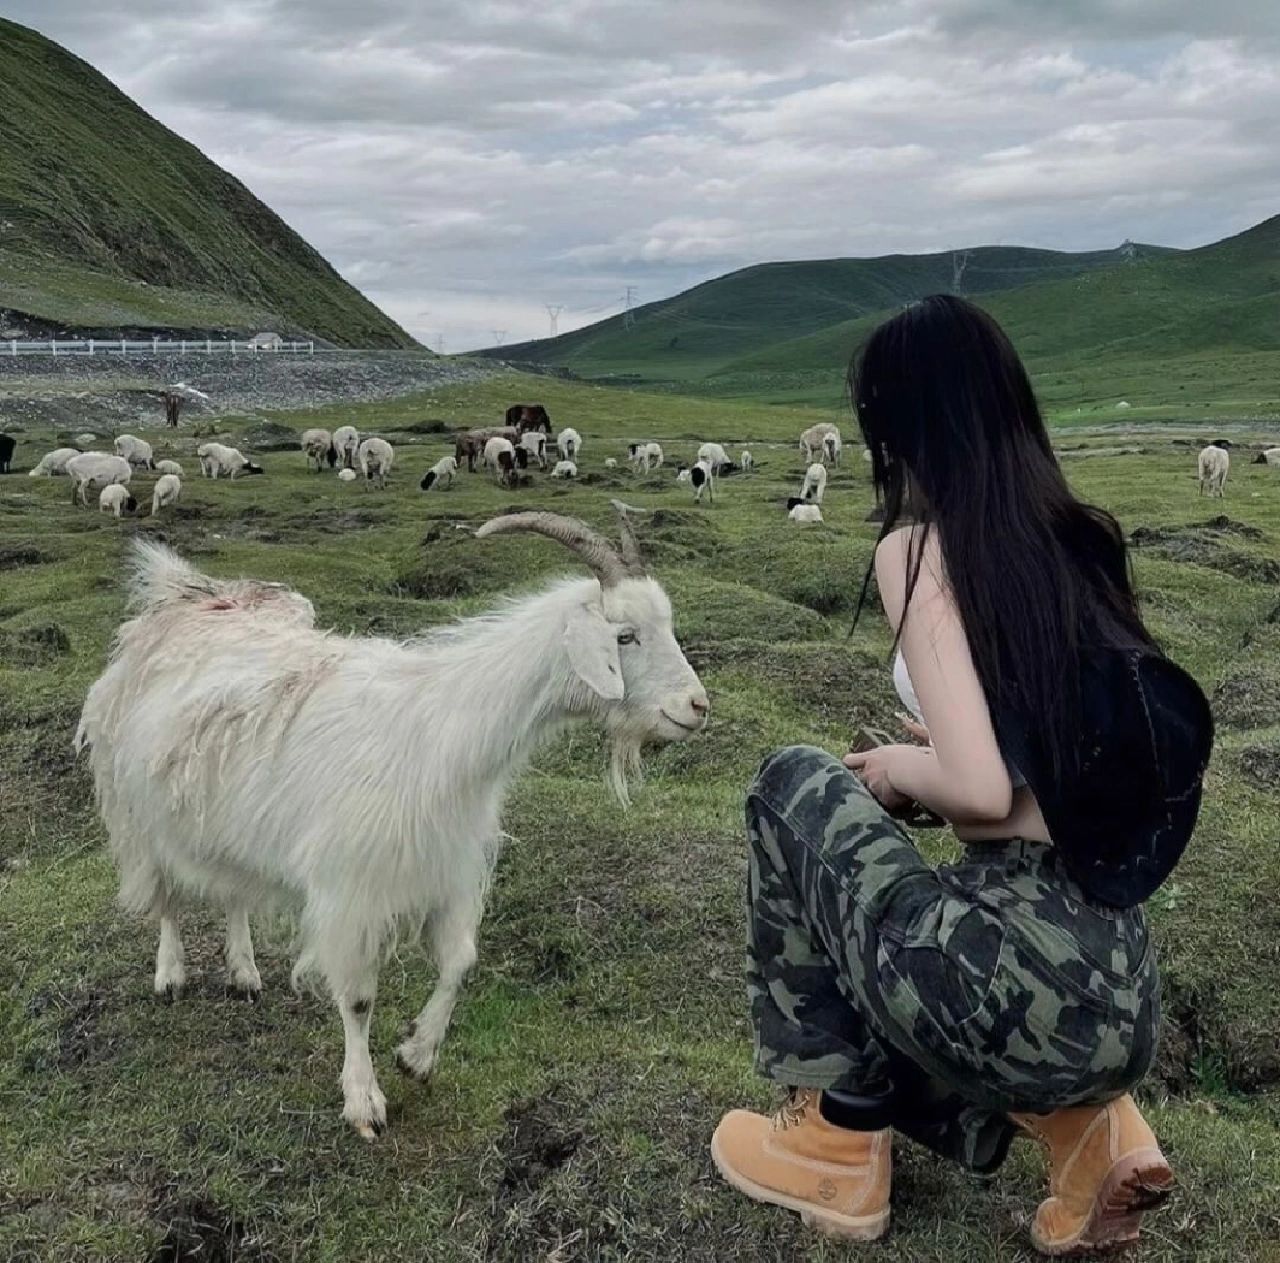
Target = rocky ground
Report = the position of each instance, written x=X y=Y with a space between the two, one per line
x=110 y=391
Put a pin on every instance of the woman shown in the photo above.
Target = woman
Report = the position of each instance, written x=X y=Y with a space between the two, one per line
x=1015 y=991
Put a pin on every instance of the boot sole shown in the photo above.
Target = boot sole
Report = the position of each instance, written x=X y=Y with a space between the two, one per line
x=829 y=1222
x=1136 y=1183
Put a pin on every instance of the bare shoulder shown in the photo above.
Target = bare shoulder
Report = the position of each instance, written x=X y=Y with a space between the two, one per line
x=893 y=551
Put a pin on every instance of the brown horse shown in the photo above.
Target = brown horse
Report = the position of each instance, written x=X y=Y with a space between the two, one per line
x=528 y=416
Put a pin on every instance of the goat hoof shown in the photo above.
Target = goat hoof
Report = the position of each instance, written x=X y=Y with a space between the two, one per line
x=407 y=1067
x=239 y=991
x=168 y=993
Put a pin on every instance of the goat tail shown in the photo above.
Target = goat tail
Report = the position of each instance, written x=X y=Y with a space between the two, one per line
x=158 y=574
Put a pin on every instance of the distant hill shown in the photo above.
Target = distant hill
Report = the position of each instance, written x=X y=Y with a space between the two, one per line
x=108 y=220
x=704 y=331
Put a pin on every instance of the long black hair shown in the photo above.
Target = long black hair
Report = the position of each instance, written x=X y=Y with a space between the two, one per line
x=958 y=445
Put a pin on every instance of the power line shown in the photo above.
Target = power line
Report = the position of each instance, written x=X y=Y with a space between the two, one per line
x=553 y=317
x=499 y=336
x=628 y=302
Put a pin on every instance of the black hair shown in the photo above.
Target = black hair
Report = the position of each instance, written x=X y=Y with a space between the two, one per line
x=959 y=447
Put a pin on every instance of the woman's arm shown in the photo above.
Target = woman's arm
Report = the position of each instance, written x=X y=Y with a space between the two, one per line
x=963 y=775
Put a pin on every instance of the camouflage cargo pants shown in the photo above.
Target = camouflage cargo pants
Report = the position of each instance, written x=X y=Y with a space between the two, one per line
x=966 y=992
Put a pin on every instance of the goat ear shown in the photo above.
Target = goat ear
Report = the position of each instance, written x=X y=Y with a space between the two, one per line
x=592 y=649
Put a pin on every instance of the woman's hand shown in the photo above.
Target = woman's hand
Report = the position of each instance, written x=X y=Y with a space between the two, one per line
x=872 y=768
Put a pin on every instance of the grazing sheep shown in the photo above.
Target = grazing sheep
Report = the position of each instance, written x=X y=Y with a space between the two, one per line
x=7 y=444
x=244 y=758
x=645 y=456
x=610 y=463
x=501 y=458
x=715 y=456
x=702 y=474
x=812 y=442
x=1269 y=457
x=569 y=442
x=116 y=499
x=346 y=443
x=441 y=475
x=376 y=458
x=317 y=446
x=347 y=475
x=804 y=514
x=96 y=469
x=528 y=416
x=684 y=474
x=534 y=443
x=565 y=469
x=746 y=461
x=217 y=459
x=166 y=492
x=1213 y=465
x=815 y=483
x=169 y=467
x=136 y=451
x=53 y=463
x=469 y=445
x=832 y=446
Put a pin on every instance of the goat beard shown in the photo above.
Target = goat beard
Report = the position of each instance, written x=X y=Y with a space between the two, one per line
x=624 y=763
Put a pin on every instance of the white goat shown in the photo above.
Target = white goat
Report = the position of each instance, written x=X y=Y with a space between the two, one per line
x=805 y=514
x=96 y=469
x=116 y=499
x=441 y=475
x=1213 y=466
x=832 y=446
x=217 y=459
x=136 y=451
x=346 y=443
x=534 y=443
x=565 y=469
x=815 y=483
x=245 y=758
x=569 y=441
x=317 y=446
x=702 y=474
x=55 y=462
x=347 y=475
x=500 y=459
x=376 y=458
x=714 y=455
x=169 y=467
x=812 y=440
x=166 y=492
x=645 y=456
x=746 y=462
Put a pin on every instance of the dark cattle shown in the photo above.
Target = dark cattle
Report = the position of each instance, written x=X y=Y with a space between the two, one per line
x=172 y=407
x=528 y=416
x=469 y=445
x=7 y=444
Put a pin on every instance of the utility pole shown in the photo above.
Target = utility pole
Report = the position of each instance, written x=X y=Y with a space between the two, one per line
x=959 y=261
x=440 y=341
x=553 y=318
x=628 y=302
x=499 y=336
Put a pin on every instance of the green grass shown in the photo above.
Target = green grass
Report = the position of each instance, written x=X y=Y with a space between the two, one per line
x=604 y=1030
x=110 y=220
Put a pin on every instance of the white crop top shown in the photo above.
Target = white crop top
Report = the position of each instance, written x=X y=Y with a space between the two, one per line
x=907 y=692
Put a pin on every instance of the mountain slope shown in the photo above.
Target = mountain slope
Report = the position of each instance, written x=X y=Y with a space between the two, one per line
x=1210 y=313
x=108 y=219
x=704 y=330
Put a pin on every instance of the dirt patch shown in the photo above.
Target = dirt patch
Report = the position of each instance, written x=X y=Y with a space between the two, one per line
x=15 y=555
x=432 y=425
x=1223 y=525
x=1261 y=766
x=77 y=1040
x=1246 y=700
x=538 y=1141
x=270 y=436
x=1201 y=545
x=197 y=1230
x=329 y=522
x=35 y=645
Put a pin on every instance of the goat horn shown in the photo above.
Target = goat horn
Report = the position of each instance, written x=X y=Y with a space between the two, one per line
x=573 y=533
x=630 y=544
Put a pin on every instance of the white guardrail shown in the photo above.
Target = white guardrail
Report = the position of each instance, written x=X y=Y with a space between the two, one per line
x=149 y=346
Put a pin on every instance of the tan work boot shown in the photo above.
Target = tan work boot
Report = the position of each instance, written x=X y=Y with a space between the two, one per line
x=1105 y=1171
x=836 y=1178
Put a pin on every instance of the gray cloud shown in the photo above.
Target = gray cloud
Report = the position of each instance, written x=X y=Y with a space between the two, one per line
x=465 y=164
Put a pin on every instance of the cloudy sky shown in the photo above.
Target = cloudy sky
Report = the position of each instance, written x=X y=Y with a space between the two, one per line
x=466 y=162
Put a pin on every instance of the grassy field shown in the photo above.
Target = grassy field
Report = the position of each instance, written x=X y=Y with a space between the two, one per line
x=604 y=1030
x=108 y=219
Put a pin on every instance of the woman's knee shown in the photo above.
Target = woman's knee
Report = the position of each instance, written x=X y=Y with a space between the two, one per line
x=786 y=773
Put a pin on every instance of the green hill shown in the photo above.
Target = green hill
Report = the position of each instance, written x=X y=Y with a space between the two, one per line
x=702 y=332
x=108 y=220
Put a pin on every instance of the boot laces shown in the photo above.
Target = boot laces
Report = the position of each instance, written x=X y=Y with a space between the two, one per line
x=792 y=1111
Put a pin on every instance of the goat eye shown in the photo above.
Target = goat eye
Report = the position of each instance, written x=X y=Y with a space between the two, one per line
x=628 y=638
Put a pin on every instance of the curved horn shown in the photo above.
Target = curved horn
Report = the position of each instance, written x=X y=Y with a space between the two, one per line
x=573 y=533
x=630 y=544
